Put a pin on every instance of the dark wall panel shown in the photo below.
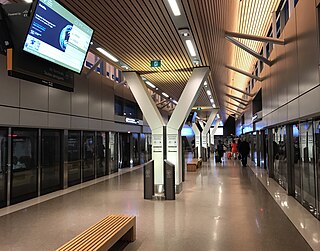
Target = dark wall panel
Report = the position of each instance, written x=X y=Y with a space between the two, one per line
x=308 y=47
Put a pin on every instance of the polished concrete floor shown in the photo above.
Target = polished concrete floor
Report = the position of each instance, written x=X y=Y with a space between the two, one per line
x=222 y=207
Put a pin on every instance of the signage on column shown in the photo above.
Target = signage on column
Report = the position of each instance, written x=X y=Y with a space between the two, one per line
x=172 y=143
x=197 y=140
x=204 y=141
x=157 y=144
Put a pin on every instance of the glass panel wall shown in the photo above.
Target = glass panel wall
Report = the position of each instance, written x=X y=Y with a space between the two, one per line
x=112 y=154
x=88 y=156
x=280 y=156
x=51 y=161
x=24 y=180
x=296 y=161
x=125 y=144
x=101 y=154
x=307 y=166
x=317 y=162
x=74 y=158
x=135 y=150
x=3 y=166
x=148 y=147
x=143 y=148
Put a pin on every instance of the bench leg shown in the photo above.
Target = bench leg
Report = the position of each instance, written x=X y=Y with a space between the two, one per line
x=130 y=235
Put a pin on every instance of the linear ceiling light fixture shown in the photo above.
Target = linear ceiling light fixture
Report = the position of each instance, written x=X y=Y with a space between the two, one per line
x=107 y=54
x=150 y=84
x=191 y=48
x=174 y=7
x=165 y=94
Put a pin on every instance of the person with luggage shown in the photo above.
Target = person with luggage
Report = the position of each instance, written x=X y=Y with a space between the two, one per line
x=234 y=149
x=244 y=150
x=219 y=152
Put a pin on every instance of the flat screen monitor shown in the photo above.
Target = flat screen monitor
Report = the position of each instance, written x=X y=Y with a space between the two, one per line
x=57 y=35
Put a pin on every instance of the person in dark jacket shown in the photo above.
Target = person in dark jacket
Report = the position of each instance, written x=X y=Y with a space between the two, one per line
x=244 y=150
x=219 y=152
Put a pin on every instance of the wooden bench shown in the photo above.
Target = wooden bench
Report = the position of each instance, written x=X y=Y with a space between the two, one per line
x=193 y=165
x=104 y=234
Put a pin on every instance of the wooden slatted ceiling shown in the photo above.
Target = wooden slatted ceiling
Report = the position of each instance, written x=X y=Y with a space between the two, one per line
x=255 y=17
x=137 y=31
x=209 y=20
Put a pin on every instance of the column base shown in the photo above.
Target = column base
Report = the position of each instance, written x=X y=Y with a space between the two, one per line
x=179 y=188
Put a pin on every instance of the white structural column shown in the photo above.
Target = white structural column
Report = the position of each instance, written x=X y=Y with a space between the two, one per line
x=206 y=129
x=203 y=140
x=197 y=135
x=213 y=131
x=186 y=102
x=153 y=117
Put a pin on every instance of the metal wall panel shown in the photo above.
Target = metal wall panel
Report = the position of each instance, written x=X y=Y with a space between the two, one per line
x=95 y=124
x=281 y=70
x=9 y=94
x=292 y=70
x=34 y=96
x=79 y=98
x=79 y=123
x=59 y=101
x=308 y=48
x=310 y=103
x=293 y=110
x=95 y=96
x=107 y=100
x=59 y=121
x=282 y=114
x=9 y=116
x=33 y=118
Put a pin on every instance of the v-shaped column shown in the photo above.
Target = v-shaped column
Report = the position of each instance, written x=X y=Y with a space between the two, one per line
x=154 y=119
x=186 y=101
x=171 y=137
x=207 y=127
x=213 y=131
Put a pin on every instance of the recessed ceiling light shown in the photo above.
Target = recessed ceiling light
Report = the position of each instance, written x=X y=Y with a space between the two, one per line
x=174 y=101
x=28 y=1
x=191 y=48
x=174 y=7
x=205 y=83
x=211 y=100
x=218 y=116
x=165 y=94
x=108 y=55
x=150 y=84
x=209 y=92
x=124 y=67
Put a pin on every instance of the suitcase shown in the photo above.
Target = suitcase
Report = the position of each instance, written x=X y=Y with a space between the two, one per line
x=229 y=155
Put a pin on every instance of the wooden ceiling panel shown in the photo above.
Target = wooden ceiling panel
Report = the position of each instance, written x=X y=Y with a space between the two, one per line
x=137 y=32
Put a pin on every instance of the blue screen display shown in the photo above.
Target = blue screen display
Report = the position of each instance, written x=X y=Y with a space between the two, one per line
x=57 y=35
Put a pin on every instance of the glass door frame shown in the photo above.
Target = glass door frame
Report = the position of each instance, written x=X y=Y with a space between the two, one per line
x=7 y=171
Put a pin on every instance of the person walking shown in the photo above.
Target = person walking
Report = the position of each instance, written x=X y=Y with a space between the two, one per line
x=234 y=149
x=244 y=150
x=219 y=152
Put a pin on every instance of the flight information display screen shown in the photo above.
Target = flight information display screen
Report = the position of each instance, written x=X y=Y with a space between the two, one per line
x=57 y=35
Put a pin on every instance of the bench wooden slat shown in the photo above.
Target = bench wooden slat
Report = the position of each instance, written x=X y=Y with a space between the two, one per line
x=103 y=235
x=99 y=233
x=84 y=235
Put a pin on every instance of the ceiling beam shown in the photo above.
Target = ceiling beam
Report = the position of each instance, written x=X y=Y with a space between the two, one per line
x=244 y=102
x=235 y=105
x=96 y=64
x=250 y=51
x=241 y=103
x=255 y=38
x=239 y=90
x=243 y=72
x=233 y=111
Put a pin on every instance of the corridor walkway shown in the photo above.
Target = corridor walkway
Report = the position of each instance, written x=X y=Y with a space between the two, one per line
x=222 y=207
